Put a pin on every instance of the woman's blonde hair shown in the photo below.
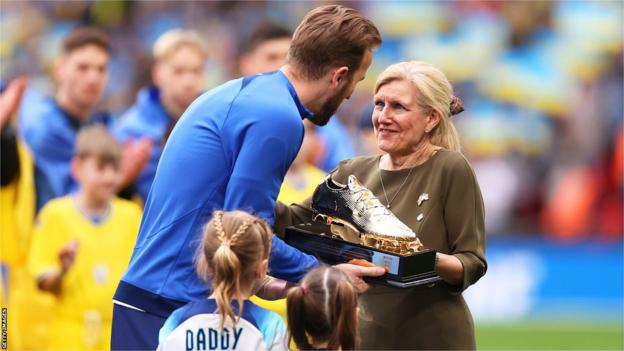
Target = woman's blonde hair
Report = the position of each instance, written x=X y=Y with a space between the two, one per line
x=232 y=245
x=435 y=96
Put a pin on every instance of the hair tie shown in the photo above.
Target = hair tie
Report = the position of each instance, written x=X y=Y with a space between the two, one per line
x=457 y=105
x=304 y=289
x=227 y=243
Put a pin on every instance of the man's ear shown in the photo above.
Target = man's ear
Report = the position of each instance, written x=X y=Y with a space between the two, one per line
x=75 y=168
x=156 y=74
x=57 y=68
x=244 y=64
x=339 y=75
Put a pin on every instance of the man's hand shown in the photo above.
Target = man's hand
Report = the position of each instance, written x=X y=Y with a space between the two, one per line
x=135 y=155
x=356 y=272
x=10 y=100
x=67 y=255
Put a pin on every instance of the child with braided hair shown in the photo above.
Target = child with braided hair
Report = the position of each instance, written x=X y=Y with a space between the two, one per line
x=323 y=311
x=233 y=257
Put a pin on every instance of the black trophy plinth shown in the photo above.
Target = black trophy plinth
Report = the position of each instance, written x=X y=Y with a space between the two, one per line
x=404 y=271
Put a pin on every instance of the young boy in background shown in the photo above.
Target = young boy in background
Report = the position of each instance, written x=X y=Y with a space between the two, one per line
x=82 y=243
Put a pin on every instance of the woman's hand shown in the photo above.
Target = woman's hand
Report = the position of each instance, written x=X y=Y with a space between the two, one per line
x=449 y=268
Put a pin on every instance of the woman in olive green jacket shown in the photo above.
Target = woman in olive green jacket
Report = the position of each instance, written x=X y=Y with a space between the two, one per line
x=428 y=184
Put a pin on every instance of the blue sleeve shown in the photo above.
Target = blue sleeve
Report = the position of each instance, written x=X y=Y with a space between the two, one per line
x=273 y=330
x=267 y=149
x=122 y=127
x=52 y=153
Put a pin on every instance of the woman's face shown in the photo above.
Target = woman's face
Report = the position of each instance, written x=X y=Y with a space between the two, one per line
x=398 y=121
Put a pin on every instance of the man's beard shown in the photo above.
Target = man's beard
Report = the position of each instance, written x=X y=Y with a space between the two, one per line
x=329 y=107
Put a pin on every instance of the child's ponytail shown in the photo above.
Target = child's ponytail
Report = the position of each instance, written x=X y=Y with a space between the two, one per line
x=296 y=314
x=345 y=310
x=232 y=245
x=228 y=268
x=323 y=308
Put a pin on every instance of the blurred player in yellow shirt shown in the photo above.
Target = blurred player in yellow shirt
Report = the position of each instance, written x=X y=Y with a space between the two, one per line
x=82 y=243
x=28 y=310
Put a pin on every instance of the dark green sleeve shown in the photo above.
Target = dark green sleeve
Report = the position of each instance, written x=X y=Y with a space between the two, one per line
x=465 y=220
x=286 y=216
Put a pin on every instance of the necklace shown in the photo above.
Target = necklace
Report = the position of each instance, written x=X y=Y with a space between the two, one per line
x=398 y=190
x=403 y=183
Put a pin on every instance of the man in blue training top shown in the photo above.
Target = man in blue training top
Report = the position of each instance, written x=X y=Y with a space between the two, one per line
x=178 y=75
x=49 y=125
x=231 y=150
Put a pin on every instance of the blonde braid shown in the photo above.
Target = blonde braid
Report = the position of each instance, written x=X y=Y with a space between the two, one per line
x=241 y=230
x=230 y=256
x=218 y=223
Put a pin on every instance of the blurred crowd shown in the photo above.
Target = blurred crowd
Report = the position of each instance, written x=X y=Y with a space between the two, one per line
x=541 y=82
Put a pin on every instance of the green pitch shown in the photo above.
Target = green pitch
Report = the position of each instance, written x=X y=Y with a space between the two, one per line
x=554 y=335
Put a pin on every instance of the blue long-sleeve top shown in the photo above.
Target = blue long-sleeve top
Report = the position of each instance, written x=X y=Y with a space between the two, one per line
x=147 y=118
x=50 y=134
x=229 y=150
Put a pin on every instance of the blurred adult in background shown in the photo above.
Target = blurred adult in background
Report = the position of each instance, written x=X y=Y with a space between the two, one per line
x=178 y=76
x=49 y=126
x=265 y=50
x=30 y=310
x=16 y=177
x=423 y=178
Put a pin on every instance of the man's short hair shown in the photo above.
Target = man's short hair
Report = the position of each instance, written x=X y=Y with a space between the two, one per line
x=175 y=39
x=96 y=141
x=264 y=32
x=331 y=36
x=80 y=37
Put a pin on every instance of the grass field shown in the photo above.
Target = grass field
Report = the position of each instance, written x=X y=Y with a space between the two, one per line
x=550 y=336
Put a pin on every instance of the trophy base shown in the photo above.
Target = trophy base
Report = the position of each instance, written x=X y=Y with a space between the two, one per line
x=404 y=270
